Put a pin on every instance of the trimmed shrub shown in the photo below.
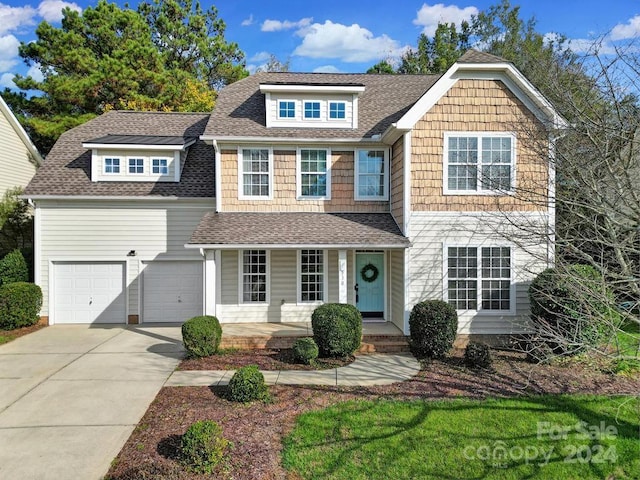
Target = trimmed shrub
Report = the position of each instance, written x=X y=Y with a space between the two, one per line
x=572 y=309
x=203 y=446
x=477 y=355
x=433 y=325
x=337 y=329
x=13 y=268
x=201 y=336
x=247 y=385
x=305 y=350
x=20 y=304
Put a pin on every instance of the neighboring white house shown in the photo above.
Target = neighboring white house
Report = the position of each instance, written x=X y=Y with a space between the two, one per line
x=299 y=189
x=19 y=158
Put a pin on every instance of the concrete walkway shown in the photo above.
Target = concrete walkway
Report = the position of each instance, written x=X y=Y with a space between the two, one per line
x=71 y=395
x=366 y=370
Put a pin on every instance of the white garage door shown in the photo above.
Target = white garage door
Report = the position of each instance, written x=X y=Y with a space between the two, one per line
x=171 y=291
x=89 y=292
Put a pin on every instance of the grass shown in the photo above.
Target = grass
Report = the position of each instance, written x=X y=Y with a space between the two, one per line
x=545 y=437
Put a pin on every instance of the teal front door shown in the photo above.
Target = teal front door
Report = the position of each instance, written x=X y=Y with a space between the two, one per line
x=370 y=284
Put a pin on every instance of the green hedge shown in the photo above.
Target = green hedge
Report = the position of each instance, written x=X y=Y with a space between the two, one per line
x=305 y=350
x=433 y=325
x=13 y=268
x=201 y=336
x=247 y=385
x=20 y=305
x=337 y=329
x=203 y=446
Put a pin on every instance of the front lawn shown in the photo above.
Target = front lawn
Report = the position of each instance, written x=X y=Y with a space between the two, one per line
x=559 y=437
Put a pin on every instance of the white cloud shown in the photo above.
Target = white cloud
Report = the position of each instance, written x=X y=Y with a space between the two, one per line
x=430 y=15
x=624 y=31
x=277 y=25
x=51 y=10
x=348 y=43
x=35 y=72
x=13 y=18
x=326 y=69
x=260 y=57
x=248 y=21
x=586 y=45
x=8 y=52
x=6 y=81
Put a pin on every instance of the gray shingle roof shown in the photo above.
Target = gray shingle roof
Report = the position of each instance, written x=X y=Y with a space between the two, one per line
x=67 y=168
x=240 y=107
x=476 y=56
x=141 y=140
x=313 y=229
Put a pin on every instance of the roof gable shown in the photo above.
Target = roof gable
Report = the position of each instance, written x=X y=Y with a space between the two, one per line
x=13 y=121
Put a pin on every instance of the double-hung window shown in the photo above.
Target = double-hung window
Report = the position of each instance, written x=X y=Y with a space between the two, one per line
x=314 y=174
x=160 y=166
x=136 y=165
x=312 y=110
x=372 y=177
x=479 y=163
x=337 y=111
x=286 y=109
x=479 y=278
x=312 y=275
x=111 y=165
x=254 y=276
x=255 y=173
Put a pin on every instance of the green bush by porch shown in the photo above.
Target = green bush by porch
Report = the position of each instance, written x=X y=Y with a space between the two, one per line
x=433 y=325
x=20 y=304
x=337 y=329
x=201 y=336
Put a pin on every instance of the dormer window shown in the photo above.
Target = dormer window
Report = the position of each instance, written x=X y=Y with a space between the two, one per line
x=159 y=166
x=111 y=165
x=336 y=110
x=286 y=109
x=136 y=165
x=311 y=110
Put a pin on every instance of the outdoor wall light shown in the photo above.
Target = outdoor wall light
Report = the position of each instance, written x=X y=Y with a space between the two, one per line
x=132 y=253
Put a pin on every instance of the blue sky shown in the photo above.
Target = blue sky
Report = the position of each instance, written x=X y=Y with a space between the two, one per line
x=341 y=35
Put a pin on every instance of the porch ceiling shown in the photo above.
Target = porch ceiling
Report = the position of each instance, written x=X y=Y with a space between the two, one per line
x=290 y=230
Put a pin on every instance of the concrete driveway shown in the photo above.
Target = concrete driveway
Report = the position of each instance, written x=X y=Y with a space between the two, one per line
x=70 y=396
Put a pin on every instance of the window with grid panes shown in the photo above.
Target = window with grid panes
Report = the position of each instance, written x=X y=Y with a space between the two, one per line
x=254 y=276
x=311 y=275
x=314 y=181
x=256 y=176
x=371 y=176
x=136 y=165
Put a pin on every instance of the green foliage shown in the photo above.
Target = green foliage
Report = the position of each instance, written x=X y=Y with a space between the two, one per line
x=201 y=336
x=203 y=446
x=433 y=325
x=305 y=350
x=16 y=222
x=572 y=308
x=437 y=54
x=337 y=329
x=20 y=305
x=247 y=385
x=477 y=355
x=168 y=55
x=13 y=268
x=383 y=67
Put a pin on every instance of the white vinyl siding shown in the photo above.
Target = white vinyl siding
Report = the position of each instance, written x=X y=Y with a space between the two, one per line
x=396 y=275
x=16 y=168
x=334 y=110
x=138 y=166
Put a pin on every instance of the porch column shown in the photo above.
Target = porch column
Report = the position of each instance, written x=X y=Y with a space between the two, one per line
x=342 y=276
x=210 y=275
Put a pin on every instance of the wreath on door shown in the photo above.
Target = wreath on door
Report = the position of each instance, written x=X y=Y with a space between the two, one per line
x=369 y=273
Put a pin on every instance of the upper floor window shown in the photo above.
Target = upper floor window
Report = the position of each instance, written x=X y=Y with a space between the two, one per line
x=286 y=109
x=337 y=110
x=136 y=165
x=314 y=175
x=111 y=165
x=372 y=177
x=255 y=173
x=160 y=166
x=479 y=163
x=311 y=109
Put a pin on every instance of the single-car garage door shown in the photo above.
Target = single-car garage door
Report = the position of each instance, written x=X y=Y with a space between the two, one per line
x=89 y=292
x=171 y=291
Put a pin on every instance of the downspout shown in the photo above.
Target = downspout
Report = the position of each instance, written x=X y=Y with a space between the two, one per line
x=218 y=175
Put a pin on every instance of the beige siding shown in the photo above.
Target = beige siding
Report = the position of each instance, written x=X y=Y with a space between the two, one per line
x=431 y=232
x=396 y=288
x=15 y=164
x=284 y=187
x=478 y=106
x=397 y=182
x=102 y=230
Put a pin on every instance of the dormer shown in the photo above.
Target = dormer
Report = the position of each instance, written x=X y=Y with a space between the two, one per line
x=138 y=158
x=307 y=105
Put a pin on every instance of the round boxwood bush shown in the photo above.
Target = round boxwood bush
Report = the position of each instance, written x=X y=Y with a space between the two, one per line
x=203 y=446
x=201 y=336
x=477 y=355
x=13 y=268
x=337 y=329
x=433 y=325
x=20 y=304
x=247 y=385
x=571 y=308
x=305 y=350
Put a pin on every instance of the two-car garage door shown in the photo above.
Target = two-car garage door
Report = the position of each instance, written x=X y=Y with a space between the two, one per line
x=94 y=292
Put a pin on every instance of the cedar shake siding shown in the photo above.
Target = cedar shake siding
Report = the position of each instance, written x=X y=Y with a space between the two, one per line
x=479 y=106
x=396 y=195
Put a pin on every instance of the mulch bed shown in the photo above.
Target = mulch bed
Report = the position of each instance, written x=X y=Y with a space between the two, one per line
x=19 y=332
x=256 y=430
x=268 y=359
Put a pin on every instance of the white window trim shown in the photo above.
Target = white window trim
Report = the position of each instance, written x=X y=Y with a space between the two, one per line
x=241 y=195
x=295 y=109
x=478 y=190
x=241 y=275
x=311 y=119
x=325 y=282
x=104 y=165
x=362 y=198
x=144 y=165
x=167 y=166
x=512 y=284
x=341 y=102
x=299 y=174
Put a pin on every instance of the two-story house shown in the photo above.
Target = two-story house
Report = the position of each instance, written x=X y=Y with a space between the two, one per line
x=375 y=190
